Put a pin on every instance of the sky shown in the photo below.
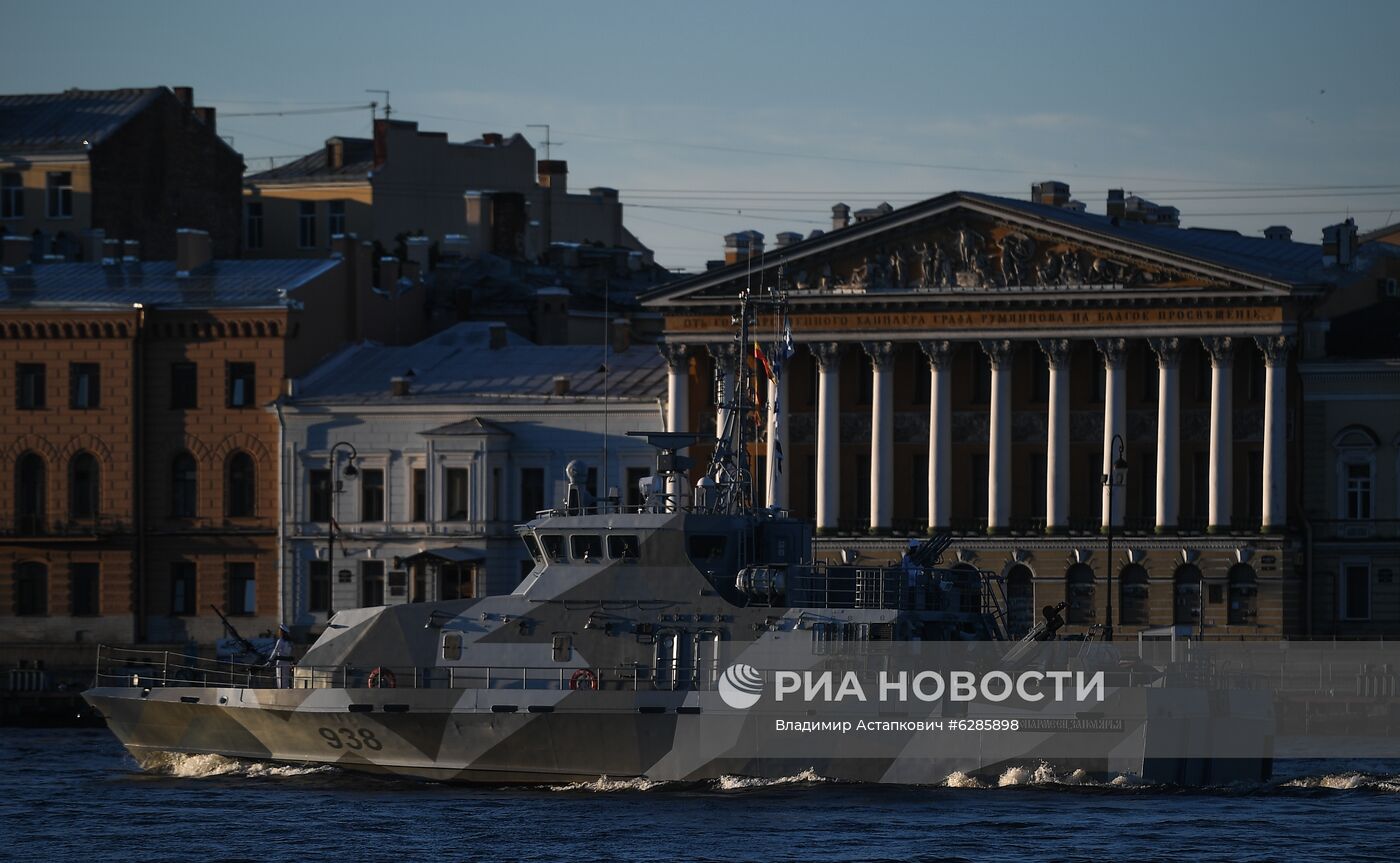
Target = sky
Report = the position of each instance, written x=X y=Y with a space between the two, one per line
x=719 y=116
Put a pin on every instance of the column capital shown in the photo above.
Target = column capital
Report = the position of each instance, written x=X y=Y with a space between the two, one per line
x=1275 y=349
x=1056 y=352
x=1220 y=349
x=1115 y=352
x=827 y=355
x=675 y=354
x=939 y=353
x=1168 y=351
x=998 y=351
x=881 y=354
x=726 y=356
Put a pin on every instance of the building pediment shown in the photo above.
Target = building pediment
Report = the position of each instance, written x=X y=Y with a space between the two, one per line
x=970 y=246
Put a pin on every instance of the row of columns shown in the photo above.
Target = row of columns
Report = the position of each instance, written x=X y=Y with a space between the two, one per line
x=999 y=352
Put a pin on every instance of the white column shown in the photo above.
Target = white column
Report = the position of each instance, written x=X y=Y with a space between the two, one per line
x=779 y=467
x=828 y=357
x=1057 y=437
x=999 y=353
x=677 y=358
x=1115 y=415
x=1168 y=351
x=1275 y=495
x=881 y=434
x=940 y=434
x=726 y=358
x=1222 y=441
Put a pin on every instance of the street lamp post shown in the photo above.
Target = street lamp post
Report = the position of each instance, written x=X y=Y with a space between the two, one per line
x=1115 y=478
x=334 y=491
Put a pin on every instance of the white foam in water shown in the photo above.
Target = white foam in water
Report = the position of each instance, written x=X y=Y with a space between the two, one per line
x=1015 y=776
x=604 y=784
x=959 y=779
x=740 y=783
x=184 y=766
x=1333 y=781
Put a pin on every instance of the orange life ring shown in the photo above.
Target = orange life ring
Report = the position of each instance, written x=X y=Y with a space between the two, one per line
x=585 y=678
x=382 y=678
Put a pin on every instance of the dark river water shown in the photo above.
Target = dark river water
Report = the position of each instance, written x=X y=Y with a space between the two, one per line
x=77 y=796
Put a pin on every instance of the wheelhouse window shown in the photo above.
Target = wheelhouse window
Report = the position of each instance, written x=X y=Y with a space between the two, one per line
x=240 y=384
x=553 y=545
x=31 y=589
x=372 y=495
x=85 y=589
x=241 y=483
x=457 y=493
x=83 y=486
x=83 y=391
x=184 y=486
x=29 y=386
x=533 y=546
x=624 y=547
x=242 y=589
x=451 y=646
x=60 y=194
x=707 y=548
x=586 y=547
x=182 y=588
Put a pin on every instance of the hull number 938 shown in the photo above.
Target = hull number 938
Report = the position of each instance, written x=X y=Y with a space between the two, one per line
x=345 y=738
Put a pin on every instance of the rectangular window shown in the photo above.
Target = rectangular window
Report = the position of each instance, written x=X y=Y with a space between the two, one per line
x=184 y=386
x=1356 y=591
x=456 y=493
x=182 y=588
x=371 y=583
x=242 y=587
x=318 y=496
x=240 y=385
x=83 y=390
x=452 y=646
x=623 y=546
x=372 y=495
x=31 y=589
x=586 y=547
x=86 y=589
x=60 y=188
x=1358 y=491
x=318 y=594
x=253 y=225
x=419 y=493
x=398 y=583
x=306 y=224
x=531 y=492
x=11 y=195
x=335 y=217
x=29 y=386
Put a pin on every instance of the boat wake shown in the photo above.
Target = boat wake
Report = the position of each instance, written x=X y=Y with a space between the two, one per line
x=183 y=766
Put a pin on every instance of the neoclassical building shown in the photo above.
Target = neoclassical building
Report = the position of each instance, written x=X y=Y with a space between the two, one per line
x=965 y=365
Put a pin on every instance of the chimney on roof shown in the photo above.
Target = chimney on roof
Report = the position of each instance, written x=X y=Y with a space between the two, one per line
x=418 y=248
x=492 y=139
x=787 y=238
x=885 y=208
x=498 y=338
x=192 y=250
x=1050 y=192
x=713 y=265
x=185 y=95
x=400 y=386
x=554 y=175
x=561 y=385
x=92 y=243
x=620 y=339
x=736 y=247
x=206 y=115
x=840 y=217
x=335 y=154
x=1339 y=244
x=1278 y=232
x=1117 y=207
x=17 y=250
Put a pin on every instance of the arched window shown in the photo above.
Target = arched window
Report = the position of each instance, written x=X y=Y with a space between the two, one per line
x=1020 y=600
x=1186 y=595
x=1244 y=595
x=241 y=486
x=1132 y=595
x=83 y=486
x=30 y=488
x=1079 y=593
x=184 y=486
x=31 y=589
x=1355 y=448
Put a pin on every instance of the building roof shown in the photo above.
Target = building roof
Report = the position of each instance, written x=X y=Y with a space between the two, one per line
x=356 y=164
x=459 y=366
x=69 y=121
x=219 y=284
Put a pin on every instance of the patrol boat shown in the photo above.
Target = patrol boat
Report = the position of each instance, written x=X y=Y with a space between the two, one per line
x=648 y=642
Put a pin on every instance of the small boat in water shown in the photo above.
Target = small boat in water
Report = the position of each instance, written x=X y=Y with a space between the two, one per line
x=697 y=636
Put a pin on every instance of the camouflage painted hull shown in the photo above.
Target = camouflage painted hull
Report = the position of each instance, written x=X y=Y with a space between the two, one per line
x=490 y=736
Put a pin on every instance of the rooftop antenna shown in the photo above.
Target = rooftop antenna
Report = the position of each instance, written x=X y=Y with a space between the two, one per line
x=607 y=333
x=387 y=109
x=548 y=142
